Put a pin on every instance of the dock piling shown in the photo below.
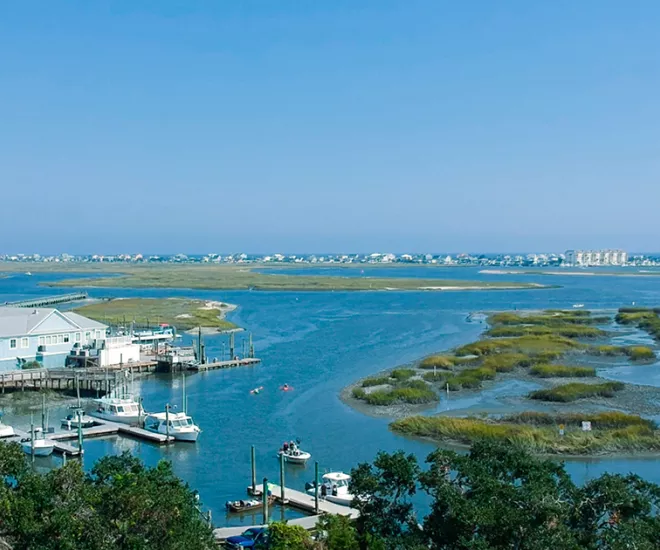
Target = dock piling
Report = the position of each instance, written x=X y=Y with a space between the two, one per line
x=282 y=479
x=167 y=422
x=253 y=462
x=316 y=487
x=32 y=440
x=80 y=433
x=264 y=496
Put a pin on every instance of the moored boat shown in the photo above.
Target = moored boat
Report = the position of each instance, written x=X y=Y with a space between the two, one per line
x=42 y=446
x=238 y=506
x=124 y=410
x=181 y=426
x=71 y=421
x=5 y=431
x=293 y=454
x=333 y=488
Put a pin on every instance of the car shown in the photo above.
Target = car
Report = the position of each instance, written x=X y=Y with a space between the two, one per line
x=255 y=537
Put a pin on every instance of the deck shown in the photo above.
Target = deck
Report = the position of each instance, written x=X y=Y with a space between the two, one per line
x=198 y=367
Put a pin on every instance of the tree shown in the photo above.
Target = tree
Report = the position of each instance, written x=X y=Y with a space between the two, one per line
x=337 y=533
x=282 y=536
x=382 y=493
x=120 y=504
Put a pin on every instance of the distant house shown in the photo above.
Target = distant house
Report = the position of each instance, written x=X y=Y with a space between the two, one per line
x=45 y=335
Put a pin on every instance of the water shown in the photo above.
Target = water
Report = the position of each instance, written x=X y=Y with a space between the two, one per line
x=319 y=342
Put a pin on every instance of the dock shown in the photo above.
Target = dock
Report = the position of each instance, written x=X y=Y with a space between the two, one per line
x=60 y=447
x=44 y=301
x=296 y=499
x=201 y=367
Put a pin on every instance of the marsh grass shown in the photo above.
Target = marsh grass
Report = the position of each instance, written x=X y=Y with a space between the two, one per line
x=611 y=432
x=562 y=371
x=414 y=392
x=577 y=390
x=635 y=353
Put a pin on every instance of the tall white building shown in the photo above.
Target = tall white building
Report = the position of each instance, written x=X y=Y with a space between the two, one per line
x=596 y=257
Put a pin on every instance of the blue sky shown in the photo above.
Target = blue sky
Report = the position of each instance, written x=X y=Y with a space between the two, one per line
x=260 y=125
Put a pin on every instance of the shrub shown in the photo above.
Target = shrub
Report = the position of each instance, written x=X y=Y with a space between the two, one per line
x=577 y=390
x=31 y=365
x=556 y=371
x=402 y=374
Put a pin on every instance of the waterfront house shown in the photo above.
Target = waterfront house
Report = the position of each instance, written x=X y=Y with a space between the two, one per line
x=45 y=335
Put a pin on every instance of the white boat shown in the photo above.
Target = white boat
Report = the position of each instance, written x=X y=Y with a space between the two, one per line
x=71 y=421
x=334 y=488
x=42 y=446
x=124 y=410
x=6 y=431
x=578 y=306
x=181 y=428
x=293 y=454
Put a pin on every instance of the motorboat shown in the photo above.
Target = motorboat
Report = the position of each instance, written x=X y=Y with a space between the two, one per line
x=333 y=488
x=5 y=431
x=124 y=410
x=181 y=426
x=578 y=306
x=42 y=446
x=238 y=506
x=294 y=454
x=72 y=420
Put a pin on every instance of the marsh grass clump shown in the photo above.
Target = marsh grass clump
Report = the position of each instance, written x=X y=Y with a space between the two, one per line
x=402 y=374
x=506 y=362
x=530 y=345
x=436 y=377
x=562 y=371
x=635 y=353
x=646 y=319
x=414 y=392
x=470 y=378
x=437 y=361
x=568 y=330
x=376 y=381
x=538 y=432
x=359 y=393
x=577 y=390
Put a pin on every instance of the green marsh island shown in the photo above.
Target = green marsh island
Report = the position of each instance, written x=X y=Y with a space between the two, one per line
x=558 y=352
x=183 y=313
x=241 y=277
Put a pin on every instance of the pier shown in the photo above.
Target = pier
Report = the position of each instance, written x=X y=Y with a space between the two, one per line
x=201 y=367
x=45 y=301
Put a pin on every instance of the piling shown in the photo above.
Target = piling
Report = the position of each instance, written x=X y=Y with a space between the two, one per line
x=282 y=478
x=80 y=433
x=264 y=496
x=251 y=351
x=167 y=422
x=231 y=346
x=32 y=440
x=253 y=462
x=316 y=487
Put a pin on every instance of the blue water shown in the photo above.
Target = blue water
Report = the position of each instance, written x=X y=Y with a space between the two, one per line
x=319 y=342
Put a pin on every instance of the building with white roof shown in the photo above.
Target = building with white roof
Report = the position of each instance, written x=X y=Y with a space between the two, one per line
x=45 y=335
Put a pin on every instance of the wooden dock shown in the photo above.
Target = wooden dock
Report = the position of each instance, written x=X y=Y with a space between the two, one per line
x=296 y=499
x=201 y=367
x=44 y=301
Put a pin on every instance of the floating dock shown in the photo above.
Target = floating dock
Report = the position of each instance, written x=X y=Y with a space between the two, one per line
x=201 y=367
x=296 y=499
x=44 y=301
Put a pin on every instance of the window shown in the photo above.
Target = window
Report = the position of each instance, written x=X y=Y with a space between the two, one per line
x=25 y=343
x=48 y=340
x=99 y=334
x=42 y=340
x=12 y=343
x=88 y=335
x=67 y=337
x=60 y=338
x=77 y=337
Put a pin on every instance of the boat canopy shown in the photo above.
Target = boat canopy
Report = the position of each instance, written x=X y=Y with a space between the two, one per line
x=336 y=476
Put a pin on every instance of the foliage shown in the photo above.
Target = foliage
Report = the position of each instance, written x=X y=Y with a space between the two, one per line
x=506 y=362
x=411 y=391
x=530 y=345
x=121 y=504
x=375 y=381
x=282 y=536
x=359 y=393
x=568 y=330
x=31 y=365
x=636 y=353
x=609 y=419
x=438 y=361
x=436 y=376
x=577 y=390
x=402 y=374
x=646 y=319
x=337 y=533
x=472 y=378
x=557 y=371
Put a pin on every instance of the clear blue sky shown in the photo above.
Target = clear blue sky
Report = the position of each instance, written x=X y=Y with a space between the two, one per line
x=329 y=125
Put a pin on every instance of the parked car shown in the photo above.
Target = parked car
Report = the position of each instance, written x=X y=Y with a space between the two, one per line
x=255 y=538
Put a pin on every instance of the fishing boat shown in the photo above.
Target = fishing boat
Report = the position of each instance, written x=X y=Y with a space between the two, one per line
x=125 y=410
x=181 y=426
x=578 y=306
x=149 y=337
x=293 y=454
x=333 y=488
x=5 y=431
x=248 y=505
x=72 y=420
x=42 y=446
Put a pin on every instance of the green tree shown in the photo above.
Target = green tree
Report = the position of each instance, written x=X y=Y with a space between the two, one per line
x=337 y=533
x=282 y=536
x=382 y=494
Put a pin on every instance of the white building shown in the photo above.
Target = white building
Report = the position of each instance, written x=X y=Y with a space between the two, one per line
x=587 y=258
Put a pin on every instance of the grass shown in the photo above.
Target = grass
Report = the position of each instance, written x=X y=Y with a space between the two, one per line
x=547 y=318
x=577 y=390
x=539 y=433
x=565 y=329
x=438 y=361
x=644 y=318
x=238 y=277
x=506 y=362
x=182 y=313
x=470 y=378
x=562 y=371
x=414 y=392
x=635 y=353
x=375 y=381
x=402 y=374
x=530 y=345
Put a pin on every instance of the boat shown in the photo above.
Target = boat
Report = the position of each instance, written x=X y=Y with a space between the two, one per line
x=578 y=306
x=5 y=431
x=293 y=454
x=333 y=488
x=181 y=426
x=124 y=410
x=238 y=506
x=42 y=446
x=71 y=421
x=150 y=337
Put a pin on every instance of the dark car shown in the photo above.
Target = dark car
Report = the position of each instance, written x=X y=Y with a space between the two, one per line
x=256 y=537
